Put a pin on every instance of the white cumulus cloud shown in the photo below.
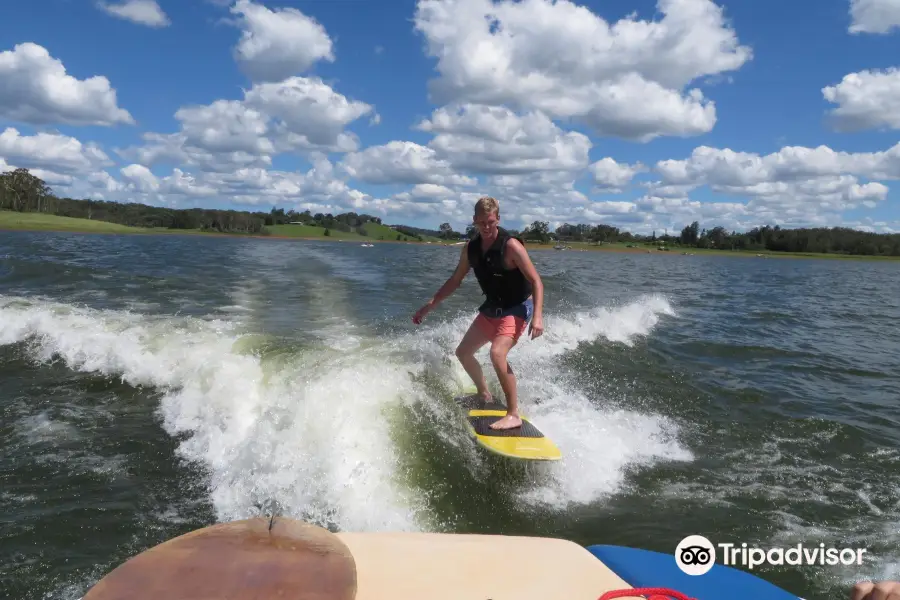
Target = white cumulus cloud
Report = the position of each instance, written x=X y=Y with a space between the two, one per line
x=866 y=100
x=276 y=44
x=36 y=89
x=402 y=162
x=874 y=16
x=794 y=186
x=297 y=114
x=485 y=139
x=624 y=79
x=50 y=151
x=142 y=12
x=611 y=176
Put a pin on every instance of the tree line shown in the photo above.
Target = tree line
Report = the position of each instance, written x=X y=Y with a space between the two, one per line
x=21 y=190
x=825 y=240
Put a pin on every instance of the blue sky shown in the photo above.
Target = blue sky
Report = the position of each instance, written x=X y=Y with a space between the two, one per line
x=763 y=64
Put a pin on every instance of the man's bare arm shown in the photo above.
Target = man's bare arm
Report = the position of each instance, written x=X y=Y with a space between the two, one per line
x=462 y=268
x=455 y=280
x=521 y=259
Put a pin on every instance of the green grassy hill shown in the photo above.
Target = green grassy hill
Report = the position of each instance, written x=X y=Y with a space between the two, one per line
x=368 y=232
x=379 y=231
x=371 y=232
x=311 y=231
x=45 y=222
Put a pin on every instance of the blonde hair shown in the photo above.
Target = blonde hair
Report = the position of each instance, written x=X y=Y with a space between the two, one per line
x=487 y=205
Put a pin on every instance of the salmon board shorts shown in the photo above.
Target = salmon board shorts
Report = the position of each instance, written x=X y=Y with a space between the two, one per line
x=510 y=322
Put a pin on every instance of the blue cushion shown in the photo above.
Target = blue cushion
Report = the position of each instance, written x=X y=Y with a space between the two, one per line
x=645 y=568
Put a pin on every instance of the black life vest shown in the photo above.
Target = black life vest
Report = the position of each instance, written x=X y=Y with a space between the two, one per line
x=503 y=287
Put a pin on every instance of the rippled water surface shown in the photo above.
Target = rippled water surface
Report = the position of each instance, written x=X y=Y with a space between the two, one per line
x=152 y=385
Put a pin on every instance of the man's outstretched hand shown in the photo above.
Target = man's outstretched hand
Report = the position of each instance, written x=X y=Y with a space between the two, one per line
x=536 y=328
x=420 y=314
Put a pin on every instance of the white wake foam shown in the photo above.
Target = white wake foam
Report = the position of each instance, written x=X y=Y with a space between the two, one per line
x=597 y=442
x=310 y=430
x=308 y=433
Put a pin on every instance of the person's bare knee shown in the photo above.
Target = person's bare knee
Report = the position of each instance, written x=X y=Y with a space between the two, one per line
x=499 y=357
x=474 y=339
x=499 y=351
x=466 y=350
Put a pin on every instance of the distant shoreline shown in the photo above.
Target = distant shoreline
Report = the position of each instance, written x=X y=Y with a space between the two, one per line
x=107 y=228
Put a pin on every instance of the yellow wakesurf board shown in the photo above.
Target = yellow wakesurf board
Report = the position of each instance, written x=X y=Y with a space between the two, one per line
x=525 y=442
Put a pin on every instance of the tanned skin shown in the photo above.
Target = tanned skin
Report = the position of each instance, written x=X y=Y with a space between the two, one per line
x=516 y=256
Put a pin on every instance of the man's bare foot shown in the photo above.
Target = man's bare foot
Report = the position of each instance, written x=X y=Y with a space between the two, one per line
x=507 y=422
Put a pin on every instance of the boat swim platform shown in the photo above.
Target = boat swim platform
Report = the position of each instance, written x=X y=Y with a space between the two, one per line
x=281 y=558
x=246 y=560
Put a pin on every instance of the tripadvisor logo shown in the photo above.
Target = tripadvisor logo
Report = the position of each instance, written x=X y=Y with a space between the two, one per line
x=696 y=555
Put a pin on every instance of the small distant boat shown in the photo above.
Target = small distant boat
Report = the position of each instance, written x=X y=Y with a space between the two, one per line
x=367 y=245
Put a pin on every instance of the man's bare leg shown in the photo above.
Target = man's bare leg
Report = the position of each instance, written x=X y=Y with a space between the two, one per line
x=474 y=339
x=499 y=350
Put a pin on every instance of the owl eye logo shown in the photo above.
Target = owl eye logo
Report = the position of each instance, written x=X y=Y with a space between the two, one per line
x=695 y=555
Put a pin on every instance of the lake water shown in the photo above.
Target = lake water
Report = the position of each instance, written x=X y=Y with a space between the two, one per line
x=153 y=385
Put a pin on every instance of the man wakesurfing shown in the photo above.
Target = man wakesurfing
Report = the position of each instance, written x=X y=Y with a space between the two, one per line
x=515 y=296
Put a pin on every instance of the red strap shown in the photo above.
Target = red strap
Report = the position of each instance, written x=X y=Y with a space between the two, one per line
x=654 y=594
